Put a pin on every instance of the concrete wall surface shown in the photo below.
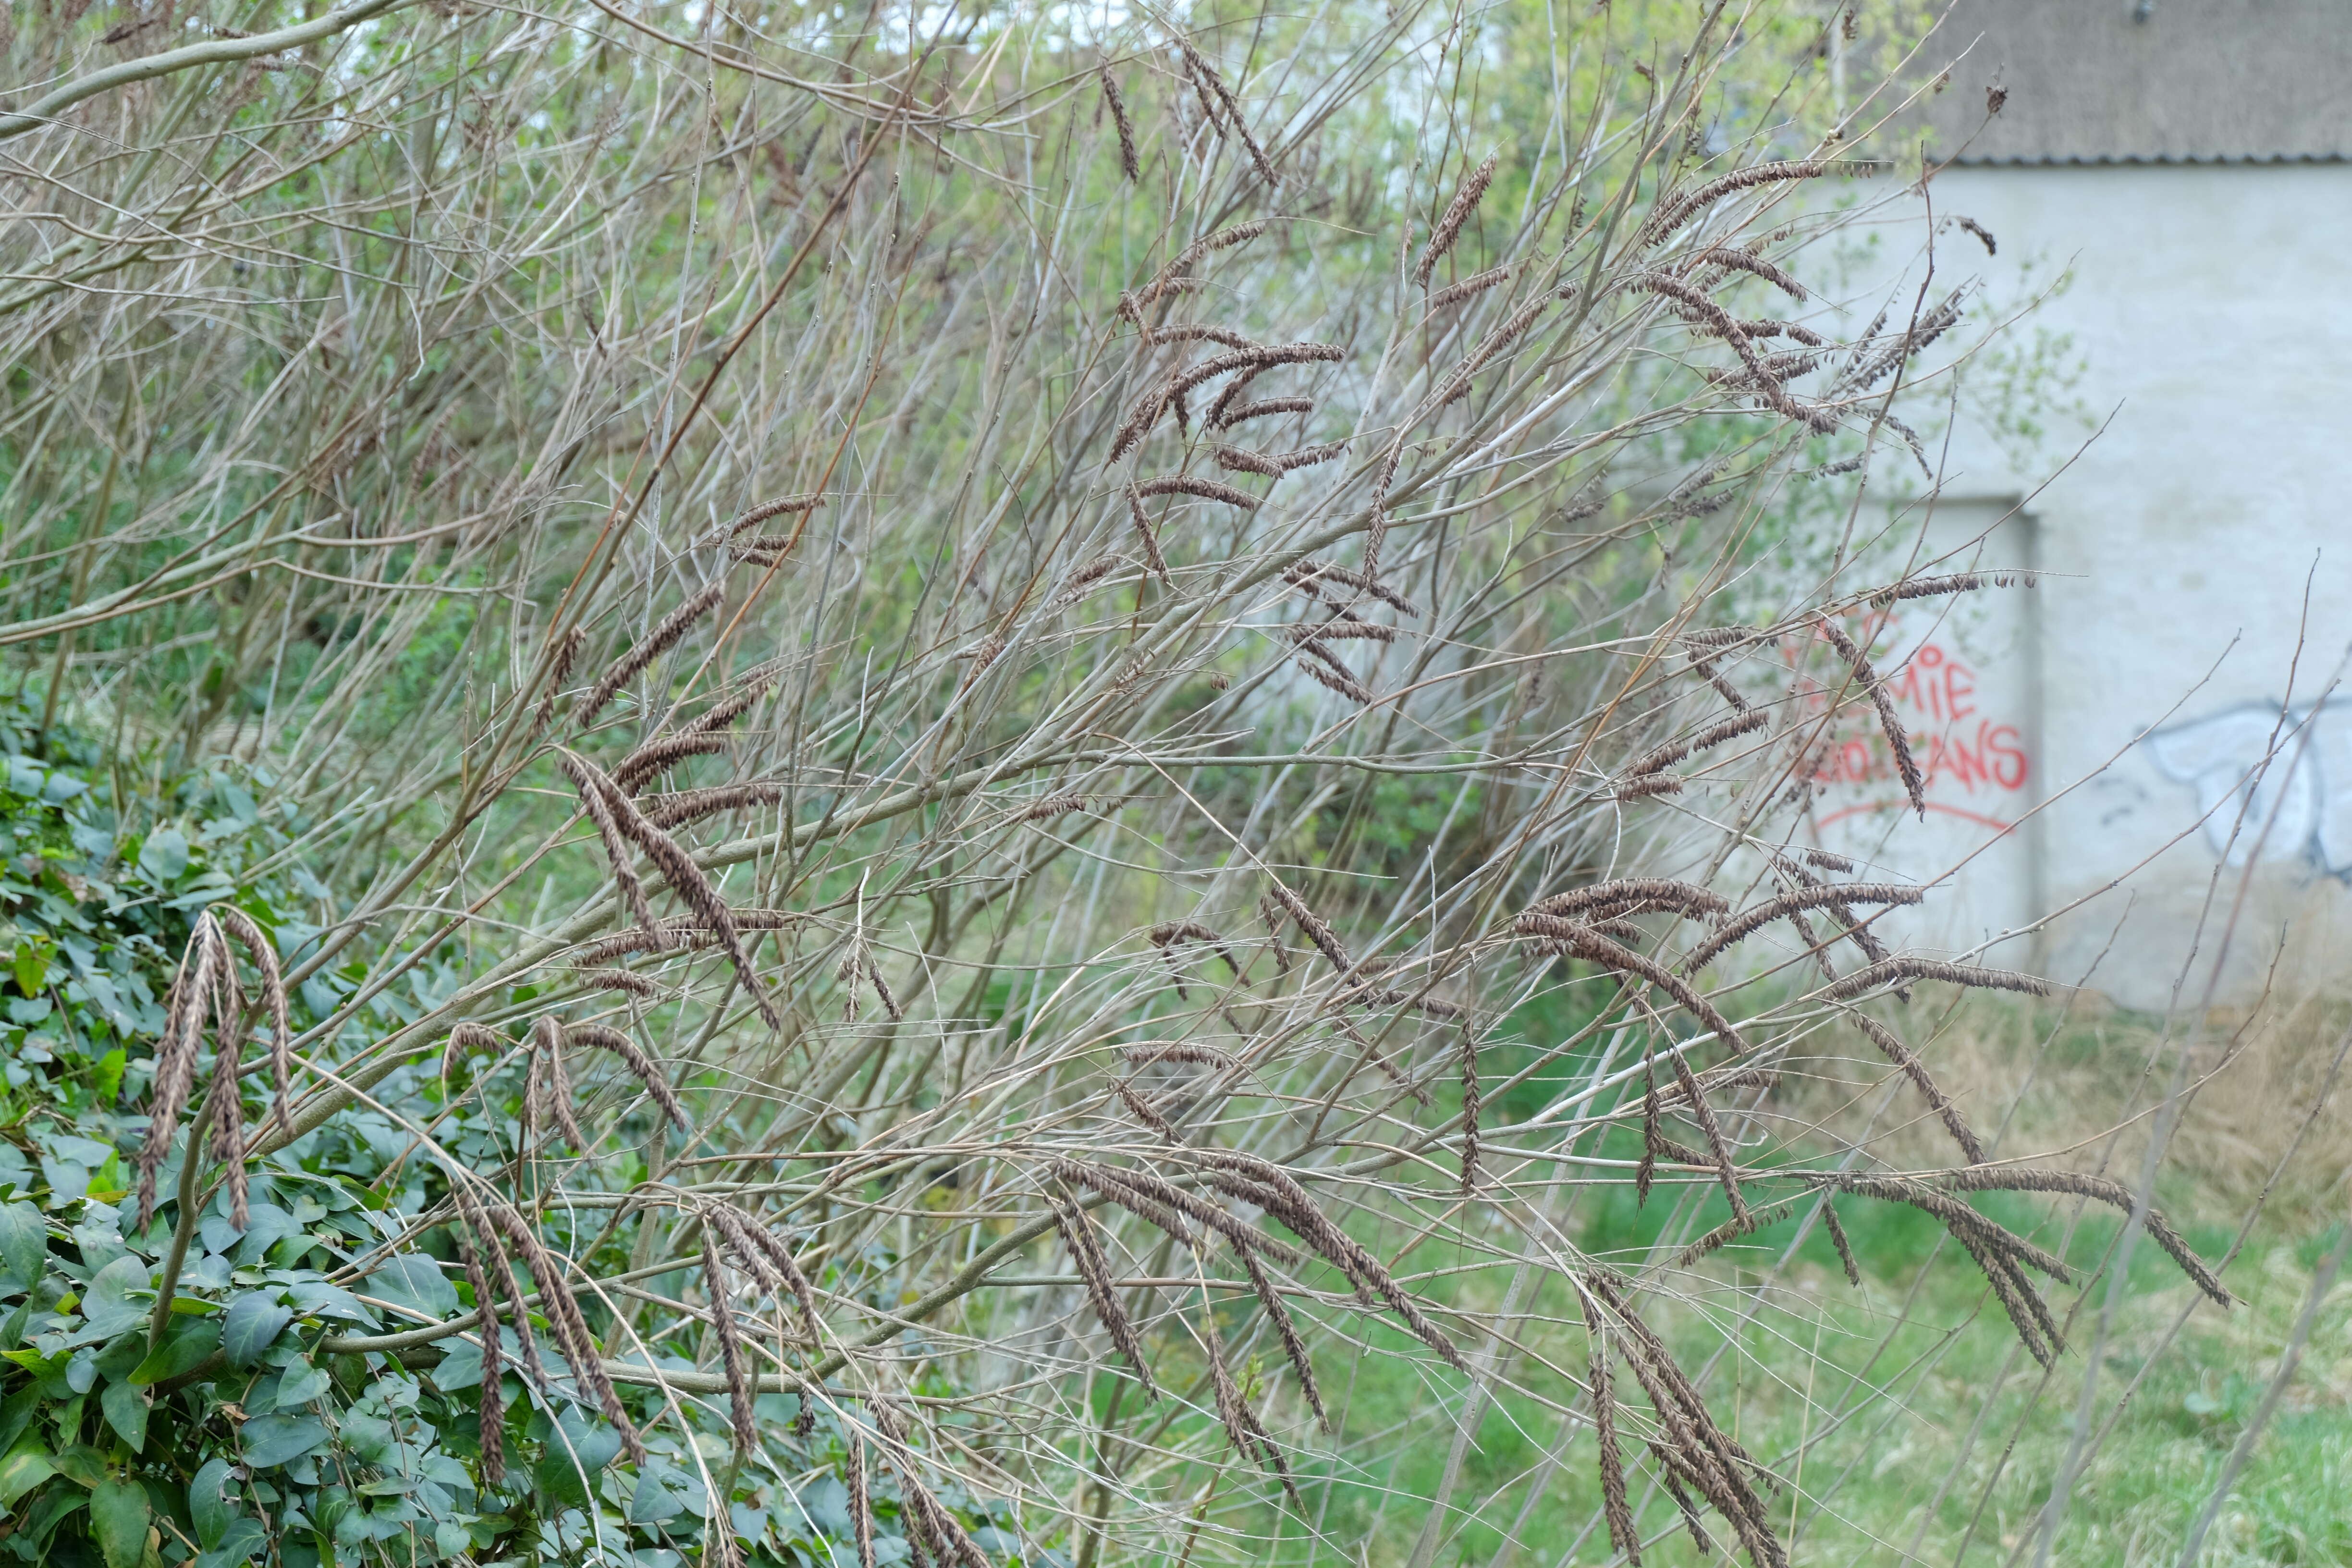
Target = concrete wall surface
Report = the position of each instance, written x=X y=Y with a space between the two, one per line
x=2173 y=691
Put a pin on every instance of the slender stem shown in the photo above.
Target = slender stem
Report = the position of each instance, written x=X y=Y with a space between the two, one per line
x=168 y=1286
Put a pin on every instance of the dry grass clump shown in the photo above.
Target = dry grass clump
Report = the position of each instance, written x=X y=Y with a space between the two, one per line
x=1439 y=696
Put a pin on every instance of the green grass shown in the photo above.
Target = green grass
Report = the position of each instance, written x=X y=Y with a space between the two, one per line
x=1918 y=1418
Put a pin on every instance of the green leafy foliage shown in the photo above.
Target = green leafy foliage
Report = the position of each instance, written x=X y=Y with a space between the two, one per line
x=227 y=1425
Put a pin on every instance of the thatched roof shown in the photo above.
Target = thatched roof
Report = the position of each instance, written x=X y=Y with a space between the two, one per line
x=2097 y=81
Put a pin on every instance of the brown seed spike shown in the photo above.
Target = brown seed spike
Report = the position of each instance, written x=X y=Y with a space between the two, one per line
x=686 y=879
x=1896 y=1051
x=1623 y=1535
x=861 y=1501
x=655 y=643
x=1458 y=213
x=225 y=1115
x=1468 y=1055
x=1890 y=970
x=1311 y=925
x=740 y=1394
x=1471 y=287
x=1150 y=537
x=1094 y=1270
x=1838 y=1239
x=567 y=653
x=1672 y=215
x=600 y=1036
x=656 y=757
x=192 y=989
x=1207 y=490
x=493 y=1404
x=1889 y=721
x=264 y=952
x=592 y=799
x=1225 y=417
x=682 y=807
x=1132 y=167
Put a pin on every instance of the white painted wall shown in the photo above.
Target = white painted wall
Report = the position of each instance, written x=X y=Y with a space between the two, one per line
x=2211 y=312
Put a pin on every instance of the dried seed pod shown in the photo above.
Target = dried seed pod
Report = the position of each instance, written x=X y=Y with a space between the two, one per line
x=1052 y=807
x=264 y=952
x=1232 y=122
x=685 y=877
x=1198 y=332
x=1781 y=905
x=626 y=979
x=1958 y=583
x=194 y=986
x=493 y=1401
x=739 y=1391
x=1155 y=1198
x=1146 y=1112
x=861 y=1501
x=1348 y=629
x=681 y=807
x=1513 y=328
x=597 y=802
x=1889 y=970
x=1225 y=417
x=1153 y=1053
x=1738 y=258
x=1269 y=914
x=781 y=506
x=1838 y=1239
x=1130 y=165
x=1659 y=758
x=1207 y=490
x=1471 y=1107
x=1310 y=576
x=465 y=1037
x=1242 y=1428
x=1634 y=894
x=1274 y=465
x=1286 y=1329
x=1731 y=1230
x=1697 y=308
x=766 y=1257
x=1150 y=537
x=1671 y=215
x=1471 y=287
x=547 y=1043
x=225 y=1115
x=1167 y=937
x=1081 y=581
x=1275 y=1190
x=559 y=670
x=501 y=1271
x=2018 y=1179
x=1889 y=721
x=1902 y=1055
x=656 y=757
x=570 y=1329
x=1311 y=925
x=655 y=643
x=1094 y=1269
x=1622 y=1536
x=725 y=712
x=1465 y=201
x=641 y=1067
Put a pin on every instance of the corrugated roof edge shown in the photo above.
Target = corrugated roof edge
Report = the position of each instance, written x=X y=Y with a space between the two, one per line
x=2149 y=159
